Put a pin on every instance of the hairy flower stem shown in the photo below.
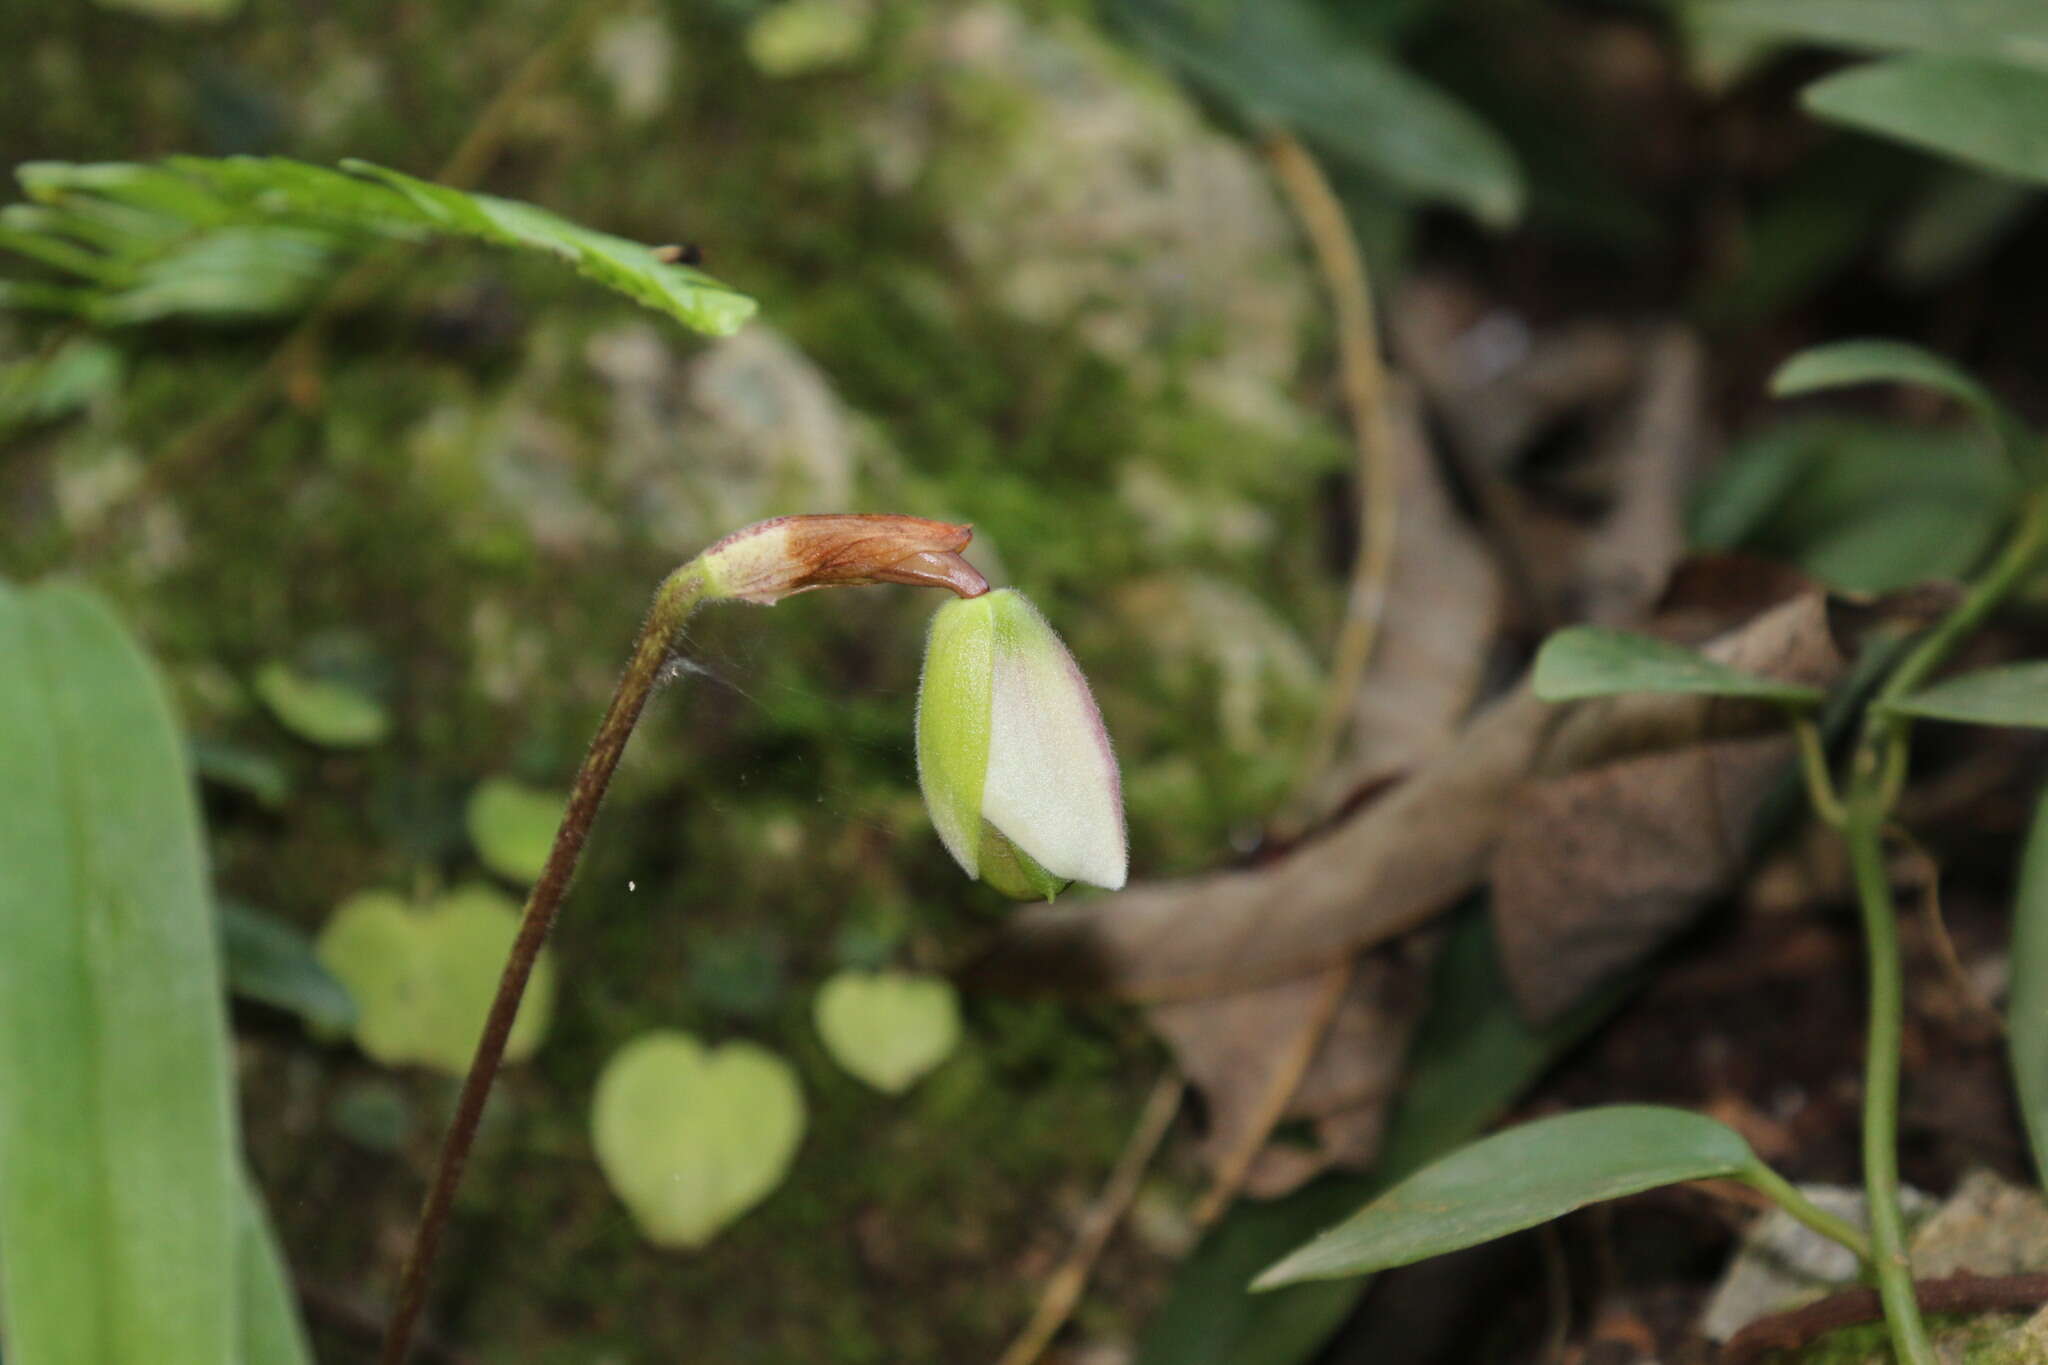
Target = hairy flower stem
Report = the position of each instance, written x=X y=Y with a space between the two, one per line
x=1877 y=773
x=677 y=598
x=762 y=563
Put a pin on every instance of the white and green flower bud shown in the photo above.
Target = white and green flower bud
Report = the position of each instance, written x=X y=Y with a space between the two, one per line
x=1015 y=764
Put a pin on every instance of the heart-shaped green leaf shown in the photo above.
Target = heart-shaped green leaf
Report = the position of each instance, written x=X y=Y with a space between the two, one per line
x=888 y=1028
x=513 y=826
x=1593 y=661
x=423 y=977
x=1517 y=1179
x=2011 y=694
x=319 y=710
x=689 y=1137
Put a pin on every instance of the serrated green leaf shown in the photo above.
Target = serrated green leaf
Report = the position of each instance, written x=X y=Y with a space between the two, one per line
x=119 y=1206
x=1517 y=1179
x=1594 y=661
x=272 y=963
x=319 y=710
x=242 y=236
x=2026 y=1019
x=513 y=826
x=691 y=1137
x=888 y=1028
x=1283 y=62
x=2012 y=694
x=1841 y=364
x=1986 y=113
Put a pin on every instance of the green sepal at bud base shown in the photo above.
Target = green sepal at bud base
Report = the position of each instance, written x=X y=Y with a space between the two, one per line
x=1015 y=764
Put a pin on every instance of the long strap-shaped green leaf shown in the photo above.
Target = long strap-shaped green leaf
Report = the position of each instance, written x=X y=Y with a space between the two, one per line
x=120 y=1213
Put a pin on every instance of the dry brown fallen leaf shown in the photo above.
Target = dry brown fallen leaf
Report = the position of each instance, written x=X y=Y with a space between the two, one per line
x=1599 y=865
x=1226 y=1044
x=1442 y=610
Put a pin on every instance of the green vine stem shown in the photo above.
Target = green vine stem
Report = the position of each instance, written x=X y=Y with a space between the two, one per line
x=1787 y=1197
x=1876 y=779
x=762 y=563
x=1864 y=832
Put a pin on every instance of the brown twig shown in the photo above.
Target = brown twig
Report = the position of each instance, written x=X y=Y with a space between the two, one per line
x=347 y=1316
x=1956 y=1294
x=1364 y=380
x=1063 y=1289
x=1287 y=1075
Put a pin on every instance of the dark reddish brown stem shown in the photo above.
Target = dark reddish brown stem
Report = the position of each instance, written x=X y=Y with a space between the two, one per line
x=1957 y=1294
x=801 y=553
x=673 y=604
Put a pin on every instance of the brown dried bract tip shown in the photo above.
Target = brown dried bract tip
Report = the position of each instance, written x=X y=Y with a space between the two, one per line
x=768 y=561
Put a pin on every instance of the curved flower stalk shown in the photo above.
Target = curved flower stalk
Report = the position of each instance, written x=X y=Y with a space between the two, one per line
x=763 y=563
x=1015 y=764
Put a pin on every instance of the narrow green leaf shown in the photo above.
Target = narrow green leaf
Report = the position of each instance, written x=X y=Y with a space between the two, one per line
x=688 y=295
x=1473 y=1055
x=1517 y=1179
x=271 y=1331
x=1284 y=62
x=1861 y=505
x=2016 y=29
x=1840 y=364
x=319 y=710
x=2027 y=1010
x=2011 y=694
x=272 y=963
x=1593 y=661
x=118 y=1198
x=241 y=236
x=1977 y=110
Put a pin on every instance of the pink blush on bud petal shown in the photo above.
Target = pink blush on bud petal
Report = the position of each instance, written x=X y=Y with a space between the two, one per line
x=1052 y=785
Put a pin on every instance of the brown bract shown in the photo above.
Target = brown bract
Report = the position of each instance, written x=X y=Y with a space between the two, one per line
x=770 y=560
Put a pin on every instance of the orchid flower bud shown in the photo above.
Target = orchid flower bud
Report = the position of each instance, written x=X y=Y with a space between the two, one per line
x=1015 y=764
x=770 y=560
